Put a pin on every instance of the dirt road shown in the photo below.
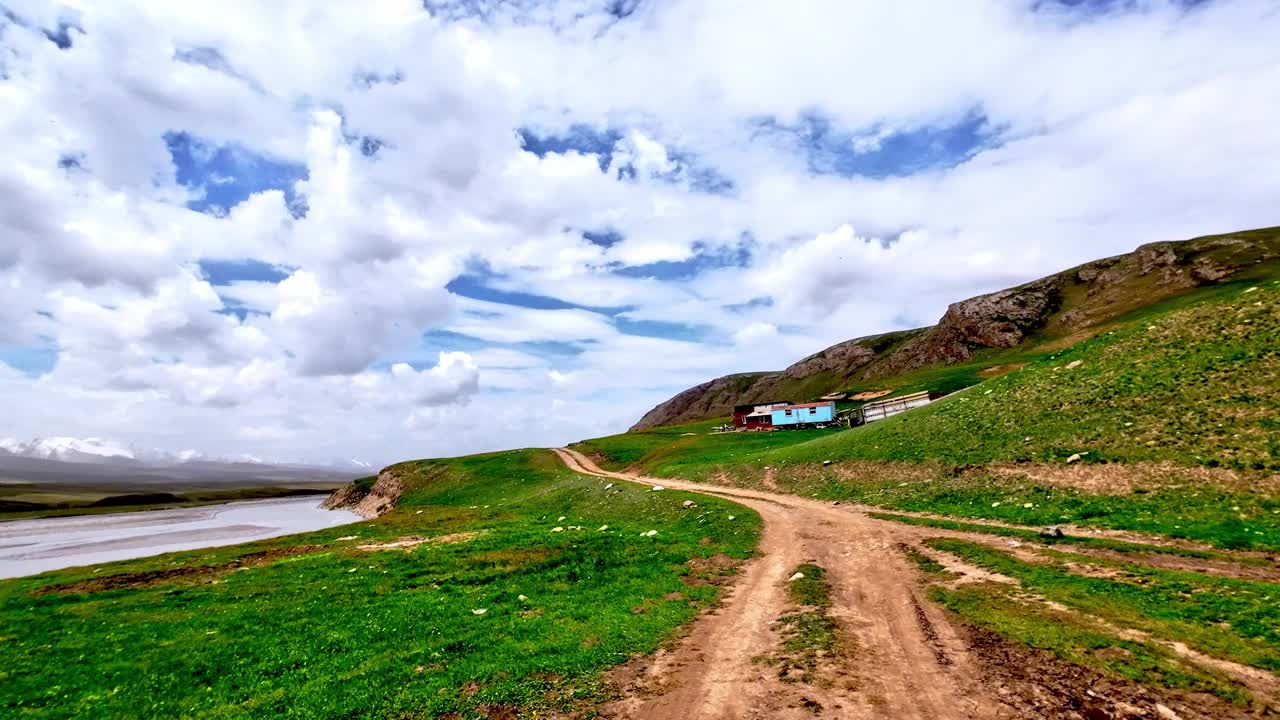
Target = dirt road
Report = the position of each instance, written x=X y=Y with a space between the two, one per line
x=903 y=658
x=900 y=656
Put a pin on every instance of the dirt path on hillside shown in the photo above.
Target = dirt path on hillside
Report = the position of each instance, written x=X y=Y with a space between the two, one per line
x=903 y=659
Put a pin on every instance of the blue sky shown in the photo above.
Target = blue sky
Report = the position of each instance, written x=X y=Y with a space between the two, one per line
x=411 y=228
x=221 y=176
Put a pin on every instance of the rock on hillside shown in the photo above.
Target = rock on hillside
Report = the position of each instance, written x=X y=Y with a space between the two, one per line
x=1058 y=305
x=369 y=499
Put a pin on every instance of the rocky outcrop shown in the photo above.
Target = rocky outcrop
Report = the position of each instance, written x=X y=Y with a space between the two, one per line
x=369 y=501
x=1054 y=306
x=710 y=399
x=998 y=320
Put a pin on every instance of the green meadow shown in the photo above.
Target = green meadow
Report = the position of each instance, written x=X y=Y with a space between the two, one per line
x=328 y=625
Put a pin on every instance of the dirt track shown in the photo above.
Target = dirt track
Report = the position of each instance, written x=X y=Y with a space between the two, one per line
x=904 y=659
x=901 y=657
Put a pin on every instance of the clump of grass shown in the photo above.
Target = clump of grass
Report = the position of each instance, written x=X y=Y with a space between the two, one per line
x=927 y=565
x=809 y=633
x=810 y=590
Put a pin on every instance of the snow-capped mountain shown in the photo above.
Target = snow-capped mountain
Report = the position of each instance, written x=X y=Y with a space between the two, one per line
x=103 y=451
x=68 y=449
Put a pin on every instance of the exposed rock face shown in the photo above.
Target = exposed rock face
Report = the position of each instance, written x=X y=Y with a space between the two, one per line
x=999 y=320
x=1060 y=304
x=377 y=500
x=713 y=398
x=837 y=358
x=344 y=497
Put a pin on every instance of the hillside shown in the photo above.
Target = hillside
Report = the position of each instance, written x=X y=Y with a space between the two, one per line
x=1110 y=431
x=979 y=334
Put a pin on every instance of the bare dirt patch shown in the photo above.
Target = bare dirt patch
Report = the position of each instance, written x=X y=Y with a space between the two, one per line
x=998 y=370
x=187 y=574
x=870 y=395
x=408 y=543
x=1040 y=685
x=1116 y=478
x=1221 y=567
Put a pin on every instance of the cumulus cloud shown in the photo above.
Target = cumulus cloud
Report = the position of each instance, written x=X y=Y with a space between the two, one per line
x=755 y=210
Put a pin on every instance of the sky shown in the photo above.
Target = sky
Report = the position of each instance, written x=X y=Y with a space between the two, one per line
x=322 y=232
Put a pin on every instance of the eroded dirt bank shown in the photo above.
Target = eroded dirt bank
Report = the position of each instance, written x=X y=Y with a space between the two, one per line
x=900 y=656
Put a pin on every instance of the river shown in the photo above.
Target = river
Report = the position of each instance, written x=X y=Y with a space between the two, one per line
x=28 y=547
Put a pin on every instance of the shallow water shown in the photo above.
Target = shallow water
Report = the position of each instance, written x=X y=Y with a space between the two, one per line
x=28 y=547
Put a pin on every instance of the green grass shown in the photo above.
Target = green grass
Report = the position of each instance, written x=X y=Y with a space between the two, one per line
x=690 y=451
x=1238 y=620
x=1226 y=519
x=1078 y=642
x=926 y=564
x=1195 y=385
x=809 y=633
x=945 y=379
x=810 y=590
x=322 y=629
x=1034 y=536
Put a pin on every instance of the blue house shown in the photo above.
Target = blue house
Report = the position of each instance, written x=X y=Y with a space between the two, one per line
x=804 y=414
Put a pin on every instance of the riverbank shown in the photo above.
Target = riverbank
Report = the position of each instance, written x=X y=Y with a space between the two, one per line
x=32 y=546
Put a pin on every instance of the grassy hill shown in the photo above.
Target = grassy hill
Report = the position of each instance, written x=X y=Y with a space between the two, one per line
x=1164 y=421
x=387 y=623
x=990 y=334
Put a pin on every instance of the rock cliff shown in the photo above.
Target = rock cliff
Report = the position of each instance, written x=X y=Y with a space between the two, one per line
x=368 y=499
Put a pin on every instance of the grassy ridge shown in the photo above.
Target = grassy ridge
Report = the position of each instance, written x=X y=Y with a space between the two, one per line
x=1184 y=388
x=1194 y=385
x=380 y=633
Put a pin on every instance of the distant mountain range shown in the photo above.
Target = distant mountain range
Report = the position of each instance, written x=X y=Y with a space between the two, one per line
x=70 y=463
x=103 y=451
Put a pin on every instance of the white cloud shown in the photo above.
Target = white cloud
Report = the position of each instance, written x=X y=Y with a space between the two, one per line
x=1109 y=131
x=755 y=333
